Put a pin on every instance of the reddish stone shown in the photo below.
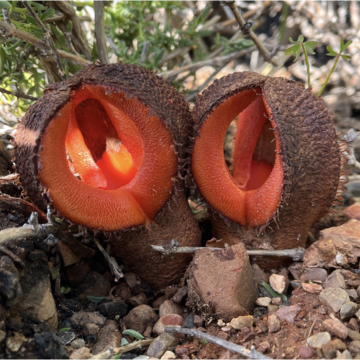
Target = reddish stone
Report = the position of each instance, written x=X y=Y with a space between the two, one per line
x=320 y=252
x=167 y=320
x=353 y=211
x=312 y=288
x=224 y=280
x=305 y=352
x=336 y=327
x=348 y=234
x=288 y=313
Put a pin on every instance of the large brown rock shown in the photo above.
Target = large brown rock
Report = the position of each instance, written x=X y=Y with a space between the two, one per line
x=319 y=253
x=222 y=280
x=345 y=237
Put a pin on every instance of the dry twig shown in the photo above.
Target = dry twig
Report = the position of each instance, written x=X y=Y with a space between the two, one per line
x=8 y=30
x=174 y=248
x=114 y=267
x=217 y=61
x=245 y=28
x=18 y=94
x=48 y=39
x=249 y=354
x=78 y=35
x=109 y=353
x=100 y=31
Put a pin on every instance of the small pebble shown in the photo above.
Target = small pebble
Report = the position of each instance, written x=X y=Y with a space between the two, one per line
x=277 y=282
x=168 y=355
x=318 y=340
x=77 y=344
x=263 y=301
x=161 y=344
x=305 y=352
x=273 y=323
x=276 y=301
x=242 y=321
x=348 y=309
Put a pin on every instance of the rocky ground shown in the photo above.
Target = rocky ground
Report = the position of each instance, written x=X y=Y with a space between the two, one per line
x=59 y=299
x=58 y=302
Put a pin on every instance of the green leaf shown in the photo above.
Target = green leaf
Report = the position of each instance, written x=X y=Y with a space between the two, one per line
x=47 y=14
x=95 y=299
x=310 y=44
x=14 y=46
x=5 y=5
x=344 y=47
x=158 y=56
x=203 y=33
x=31 y=20
x=37 y=5
x=292 y=49
x=52 y=270
x=124 y=342
x=64 y=329
x=300 y=39
x=331 y=52
x=346 y=57
x=118 y=356
x=133 y=333
x=272 y=292
x=291 y=40
x=69 y=27
x=297 y=54
x=64 y=290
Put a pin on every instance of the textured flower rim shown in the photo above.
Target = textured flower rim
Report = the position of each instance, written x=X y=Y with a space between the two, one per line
x=251 y=195
x=107 y=197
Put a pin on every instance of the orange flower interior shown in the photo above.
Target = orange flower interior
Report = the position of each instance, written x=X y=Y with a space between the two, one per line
x=107 y=161
x=250 y=195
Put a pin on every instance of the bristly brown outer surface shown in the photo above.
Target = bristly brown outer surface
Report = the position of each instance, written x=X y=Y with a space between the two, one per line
x=152 y=90
x=309 y=151
x=175 y=220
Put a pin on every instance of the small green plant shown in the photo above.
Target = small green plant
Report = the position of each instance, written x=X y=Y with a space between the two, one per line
x=64 y=290
x=331 y=52
x=133 y=333
x=124 y=342
x=272 y=292
x=64 y=329
x=306 y=47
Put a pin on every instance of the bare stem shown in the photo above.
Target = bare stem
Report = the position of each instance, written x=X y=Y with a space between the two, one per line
x=48 y=39
x=114 y=267
x=249 y=354
x=194 y=94
x=328 y=77
x=79 y=40
x=100 y=32
x=217 y=61
x=8 y=30
x=307 y=63
x=18 y=95
x=108 y=354
x=174 y=248
x=248 y=32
